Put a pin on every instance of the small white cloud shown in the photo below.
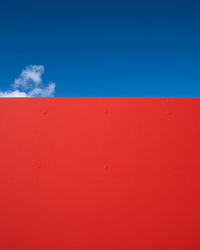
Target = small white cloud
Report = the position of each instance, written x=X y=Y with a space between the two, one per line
x=30 y=84
x=45 y=91
x=30 y=76
x=15 y=93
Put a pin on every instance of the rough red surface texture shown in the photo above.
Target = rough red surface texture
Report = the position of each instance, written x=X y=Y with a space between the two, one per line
x=99 y=173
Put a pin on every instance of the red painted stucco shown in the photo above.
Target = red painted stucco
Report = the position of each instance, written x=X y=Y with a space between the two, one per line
x=99 y=173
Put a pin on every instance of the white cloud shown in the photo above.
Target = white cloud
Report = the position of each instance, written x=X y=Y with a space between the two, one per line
x=45 y=91
x=30 y=84
x=15 y=93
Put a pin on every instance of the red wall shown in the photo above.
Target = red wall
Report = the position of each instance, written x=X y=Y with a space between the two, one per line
x=99 y=173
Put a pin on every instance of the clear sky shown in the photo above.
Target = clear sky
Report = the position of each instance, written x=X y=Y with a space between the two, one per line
x=104 y=48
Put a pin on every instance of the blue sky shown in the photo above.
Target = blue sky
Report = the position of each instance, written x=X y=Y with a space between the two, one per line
x=103 y=48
